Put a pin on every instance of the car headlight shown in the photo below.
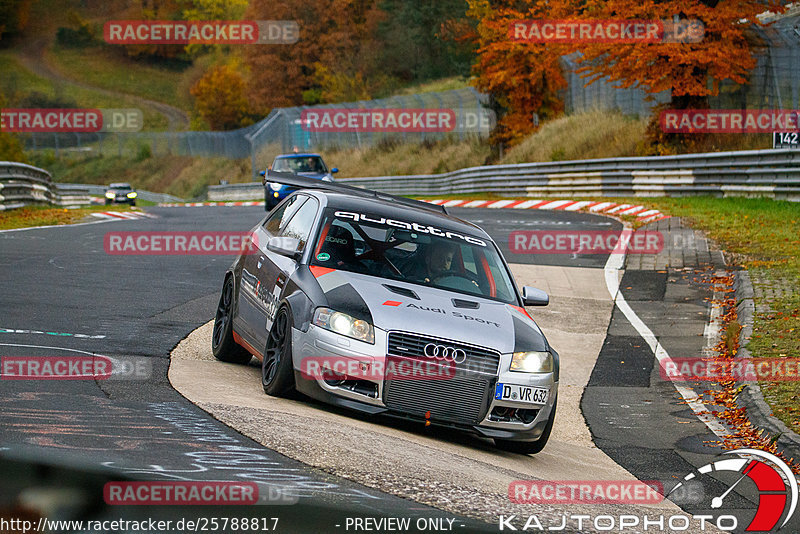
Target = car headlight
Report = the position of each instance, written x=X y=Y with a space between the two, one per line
x=532 y=362
x=275 y=187
x=343 y=324
x=132 y=195
x=109 y=194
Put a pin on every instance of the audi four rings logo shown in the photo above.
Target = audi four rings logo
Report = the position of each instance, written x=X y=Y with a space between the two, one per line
x=448 y=354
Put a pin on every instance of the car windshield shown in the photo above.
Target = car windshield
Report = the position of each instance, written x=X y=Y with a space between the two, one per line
x=300 y=164
x=120 y=187
x=413 y=253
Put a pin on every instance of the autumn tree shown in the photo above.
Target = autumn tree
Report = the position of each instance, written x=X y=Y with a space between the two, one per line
x=523 y=78
x=14 y=16
x=157 y=10
x=220 y=98
x=414 y=42
x=337 y=35
x=212 y=10
x=692 y=71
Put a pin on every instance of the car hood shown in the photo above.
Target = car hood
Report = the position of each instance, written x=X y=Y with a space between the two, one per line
x=317 y=175
x=394 y=305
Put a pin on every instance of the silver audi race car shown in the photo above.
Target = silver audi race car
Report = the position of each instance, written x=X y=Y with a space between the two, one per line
x=388 y=305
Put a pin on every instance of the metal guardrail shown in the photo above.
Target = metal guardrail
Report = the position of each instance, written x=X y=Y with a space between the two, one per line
x=24 y=185
x=769 y=173
x=248 y=191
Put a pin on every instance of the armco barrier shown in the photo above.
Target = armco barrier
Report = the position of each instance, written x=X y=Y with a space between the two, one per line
x=24 y=185
x=769 y=173
x=248 y=191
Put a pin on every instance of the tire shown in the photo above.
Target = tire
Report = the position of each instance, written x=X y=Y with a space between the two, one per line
x=529 y=447
x=223 y=346
x=277 y=375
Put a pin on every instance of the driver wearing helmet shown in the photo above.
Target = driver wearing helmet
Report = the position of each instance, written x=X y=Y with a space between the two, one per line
x=436 y=259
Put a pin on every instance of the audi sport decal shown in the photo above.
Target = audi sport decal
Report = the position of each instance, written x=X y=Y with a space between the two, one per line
x=453 y=314
x=411 y=226
x=392 y=303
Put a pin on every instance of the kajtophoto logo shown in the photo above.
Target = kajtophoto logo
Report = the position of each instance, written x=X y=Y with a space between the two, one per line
x=757 y=474
x=765 y=499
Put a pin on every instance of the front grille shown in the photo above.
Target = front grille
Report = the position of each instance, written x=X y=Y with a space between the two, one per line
x=479 y=359
x=461 y=399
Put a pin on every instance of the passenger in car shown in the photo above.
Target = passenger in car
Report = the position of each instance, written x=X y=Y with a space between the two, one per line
x=340 y=248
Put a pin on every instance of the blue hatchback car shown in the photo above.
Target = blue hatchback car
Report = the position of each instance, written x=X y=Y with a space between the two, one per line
x=309 y=165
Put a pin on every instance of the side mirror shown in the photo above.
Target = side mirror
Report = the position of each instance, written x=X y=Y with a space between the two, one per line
x=285 y=246
x=534 y=297
x=334 y=170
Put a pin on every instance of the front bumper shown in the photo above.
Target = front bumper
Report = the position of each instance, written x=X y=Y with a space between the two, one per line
x=371 y=392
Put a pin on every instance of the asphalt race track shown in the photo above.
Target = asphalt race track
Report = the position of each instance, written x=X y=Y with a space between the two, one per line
x=62 y=294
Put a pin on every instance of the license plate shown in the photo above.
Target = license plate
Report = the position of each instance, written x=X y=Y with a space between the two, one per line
x=520 y=393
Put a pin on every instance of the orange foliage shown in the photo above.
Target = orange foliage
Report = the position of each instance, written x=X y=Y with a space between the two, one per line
x=524 y=78
x=335 y=36
x=220 y=99
x=689 y=70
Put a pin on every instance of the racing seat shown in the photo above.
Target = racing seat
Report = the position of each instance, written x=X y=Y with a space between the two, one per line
x=340 y=246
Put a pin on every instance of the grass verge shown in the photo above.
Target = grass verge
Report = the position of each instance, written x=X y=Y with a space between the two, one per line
x=48 y=216
x=18 y=83
x=101 y=67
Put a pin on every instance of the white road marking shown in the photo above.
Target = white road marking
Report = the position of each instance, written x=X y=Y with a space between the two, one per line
x=613 y=267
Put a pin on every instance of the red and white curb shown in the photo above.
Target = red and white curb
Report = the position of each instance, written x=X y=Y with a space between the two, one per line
x=197 y=204
x=641 y=212
x=123 y=215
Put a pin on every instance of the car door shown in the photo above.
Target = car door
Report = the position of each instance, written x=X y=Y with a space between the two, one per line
x=273 y=270
x=250 y=314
